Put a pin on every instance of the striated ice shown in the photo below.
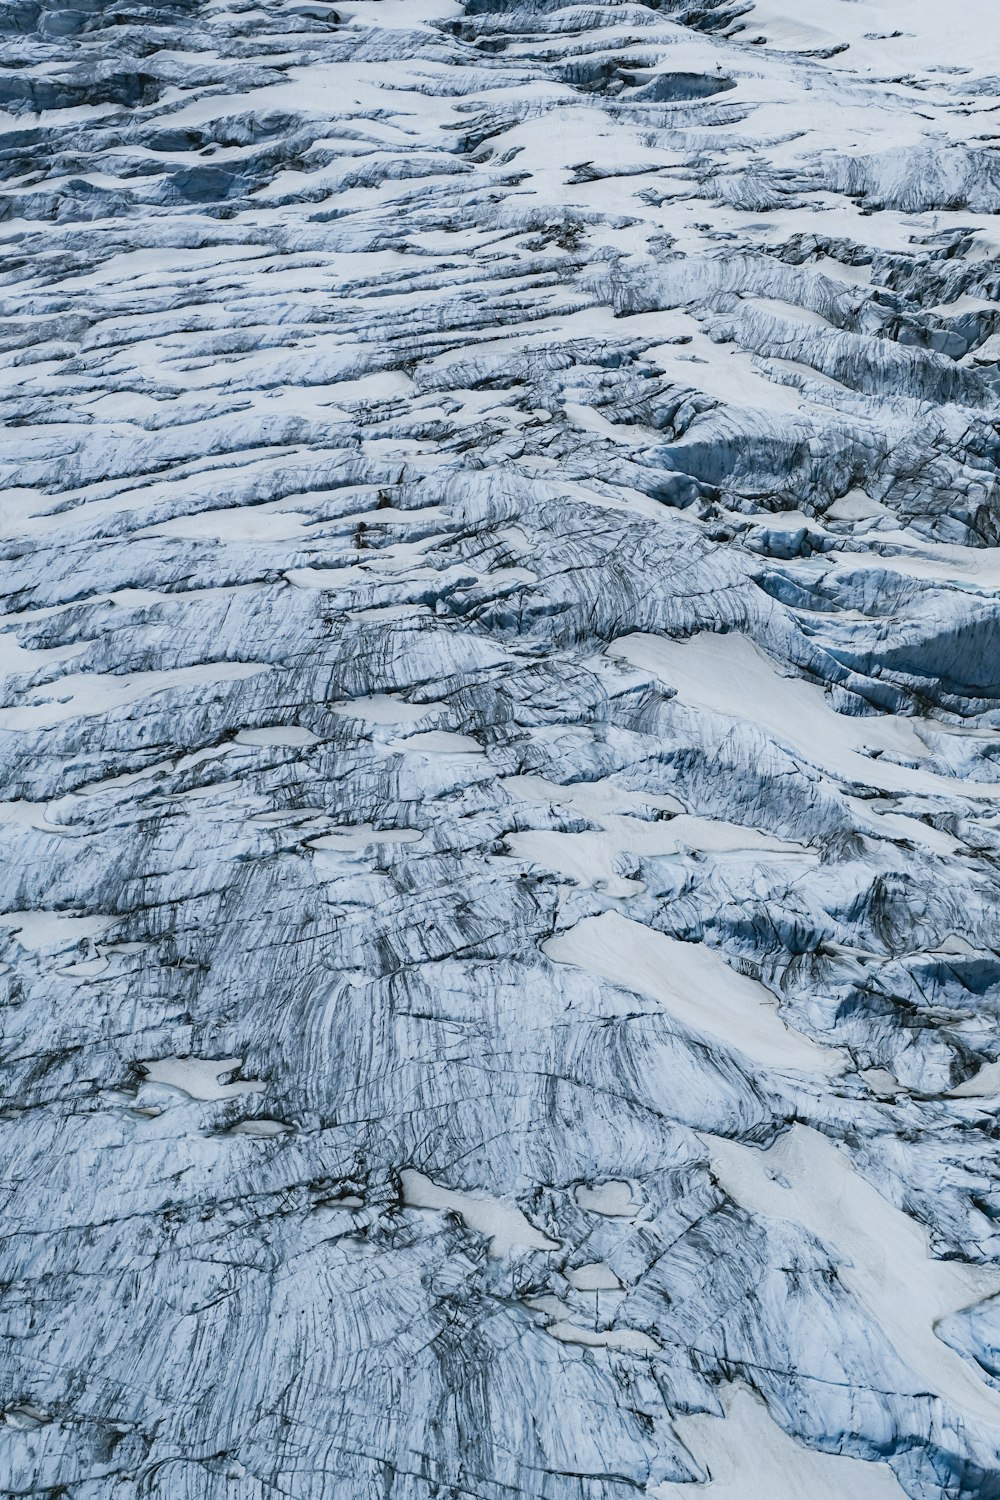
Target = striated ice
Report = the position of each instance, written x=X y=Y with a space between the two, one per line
x=500 y=734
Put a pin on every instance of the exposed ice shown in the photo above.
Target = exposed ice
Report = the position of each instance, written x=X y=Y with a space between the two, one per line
x=500 y=722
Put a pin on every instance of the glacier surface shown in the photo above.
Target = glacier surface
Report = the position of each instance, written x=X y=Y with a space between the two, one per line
x=500 y=948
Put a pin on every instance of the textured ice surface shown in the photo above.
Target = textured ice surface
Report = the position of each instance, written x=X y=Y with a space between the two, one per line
x=499 y=938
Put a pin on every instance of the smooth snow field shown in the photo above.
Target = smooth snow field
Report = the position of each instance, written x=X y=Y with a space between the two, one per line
x=500 y=746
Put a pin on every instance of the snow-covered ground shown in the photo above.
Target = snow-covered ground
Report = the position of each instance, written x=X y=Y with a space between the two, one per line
x=500 y=939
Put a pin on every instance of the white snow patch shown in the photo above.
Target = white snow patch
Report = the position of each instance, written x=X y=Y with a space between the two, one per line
x=590 y=859
x=882 y=1253
x=503 y=1223
x=201 y=1077
x=436 y=742
x=261 y=1128
x=287 y=736
x=631 y=1340
x=983 y=1085
x=695 y=985
x=730 y=675
x=362 y=834
x=612 y=1199
x=87 y=968
x=856 y=505
x=41 y=931
x=597 y=1277
x=236 y=523
x=749 y=1457
x=84 y=694
x=381 y=708
x=592 y=799
x=17 y=658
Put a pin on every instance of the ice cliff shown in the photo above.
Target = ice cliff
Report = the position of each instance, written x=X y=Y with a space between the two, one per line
x=500 y=741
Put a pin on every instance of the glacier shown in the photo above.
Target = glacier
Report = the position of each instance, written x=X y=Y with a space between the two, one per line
x=500 y=948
